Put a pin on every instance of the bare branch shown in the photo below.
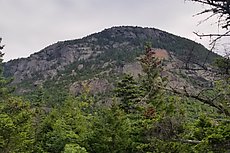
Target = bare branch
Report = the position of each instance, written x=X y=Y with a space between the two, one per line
x=188 y=141
x=219 y=8
x=204 y=100
x=212 y=35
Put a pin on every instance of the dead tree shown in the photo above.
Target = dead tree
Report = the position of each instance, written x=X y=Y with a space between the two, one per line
x=219 y=9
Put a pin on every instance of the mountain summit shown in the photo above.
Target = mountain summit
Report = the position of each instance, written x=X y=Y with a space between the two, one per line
x=100 y=57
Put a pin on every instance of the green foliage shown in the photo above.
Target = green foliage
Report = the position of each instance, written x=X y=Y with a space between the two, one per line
x=16 y=126
x=69 y=124
x=111 y=131
x=213 y=134
x=153 y=82
x=74 y=148
x=222 y=96
x=223 y=65
x=4 y=90
x=16 y=134
x=130 y=93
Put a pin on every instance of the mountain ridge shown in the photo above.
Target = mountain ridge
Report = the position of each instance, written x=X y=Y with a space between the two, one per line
x=90 y=35
x=106 y=52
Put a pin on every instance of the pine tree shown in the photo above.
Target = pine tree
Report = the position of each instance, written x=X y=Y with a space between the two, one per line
x=130 y=93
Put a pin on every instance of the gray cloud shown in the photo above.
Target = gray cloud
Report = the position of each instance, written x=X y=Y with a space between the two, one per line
x=27 y=26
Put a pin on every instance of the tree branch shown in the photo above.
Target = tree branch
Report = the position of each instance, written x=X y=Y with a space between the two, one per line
x=188 y=141
x=219 y=8
x=209 y=102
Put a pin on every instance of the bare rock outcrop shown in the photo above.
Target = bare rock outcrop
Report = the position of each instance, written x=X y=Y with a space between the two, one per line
x=93 y=86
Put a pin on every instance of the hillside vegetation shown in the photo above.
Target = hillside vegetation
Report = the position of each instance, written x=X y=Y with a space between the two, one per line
x=125 y=89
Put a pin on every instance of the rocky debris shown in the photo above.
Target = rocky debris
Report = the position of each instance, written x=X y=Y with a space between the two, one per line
x=80 y=66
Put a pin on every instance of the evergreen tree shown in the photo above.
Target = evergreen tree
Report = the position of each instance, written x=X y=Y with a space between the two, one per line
x=130 y=93
x=111 y=131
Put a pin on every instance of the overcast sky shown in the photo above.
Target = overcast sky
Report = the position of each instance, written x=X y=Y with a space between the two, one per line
x=27 y=26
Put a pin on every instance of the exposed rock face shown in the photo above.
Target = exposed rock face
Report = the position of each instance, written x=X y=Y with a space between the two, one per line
x=46 y=63
x=133 y=69
x=160 y=53
x=94 y=86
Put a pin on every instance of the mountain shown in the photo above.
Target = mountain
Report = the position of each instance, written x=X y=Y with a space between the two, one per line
x=99 y=59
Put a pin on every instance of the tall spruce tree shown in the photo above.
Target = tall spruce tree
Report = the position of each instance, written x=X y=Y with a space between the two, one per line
x=130 y=93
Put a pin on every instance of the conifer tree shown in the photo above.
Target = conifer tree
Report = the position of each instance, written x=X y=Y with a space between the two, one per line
x=130 y=93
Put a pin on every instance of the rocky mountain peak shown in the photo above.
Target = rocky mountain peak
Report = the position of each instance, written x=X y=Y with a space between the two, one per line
x=110 y=52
